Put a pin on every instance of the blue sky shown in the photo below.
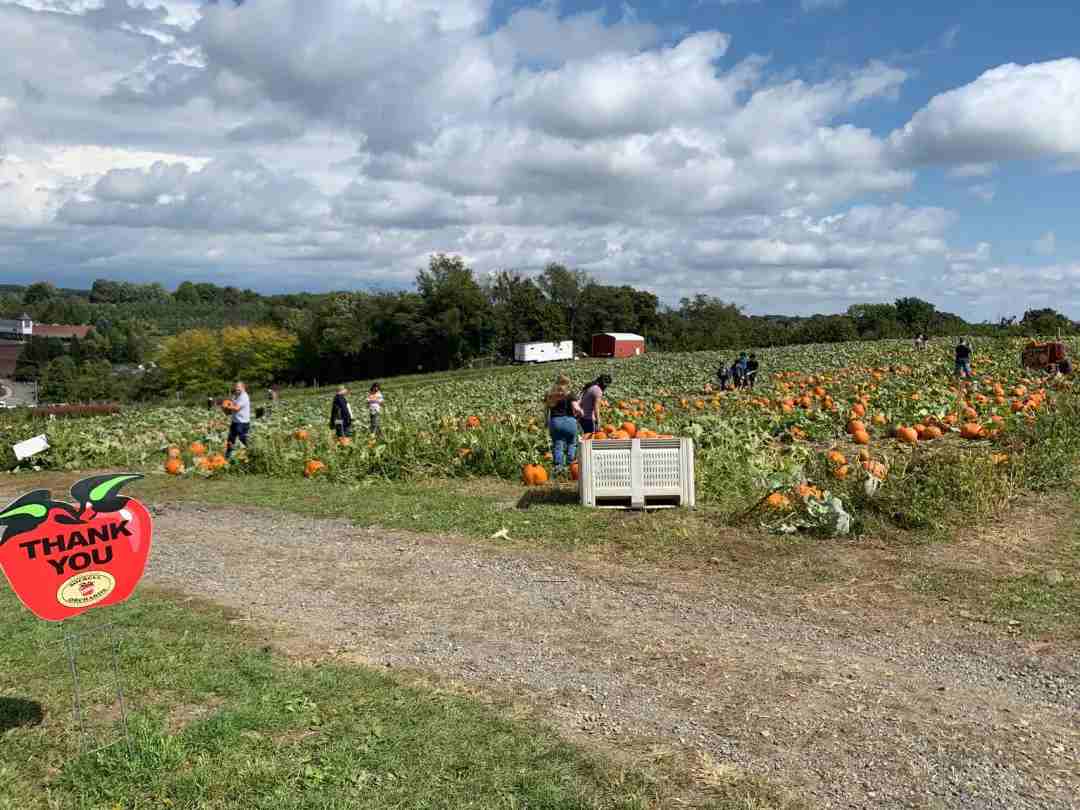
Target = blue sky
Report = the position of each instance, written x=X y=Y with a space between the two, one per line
x=793 y=156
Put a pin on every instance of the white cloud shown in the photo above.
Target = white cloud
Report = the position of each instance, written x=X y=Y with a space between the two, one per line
x=967 y=170
x=1013 y=112
x=346 y=140
x=1046 y=245
x=984 y=191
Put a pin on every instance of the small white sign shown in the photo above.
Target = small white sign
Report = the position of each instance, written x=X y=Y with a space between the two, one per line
x=30 y=447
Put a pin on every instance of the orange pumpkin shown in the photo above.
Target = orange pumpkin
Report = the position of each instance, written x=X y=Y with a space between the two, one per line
x=855 y=426
x=859 y=410
x=620 y=434
x=534 y=475
x=778 y=502
x=971 y=430
x=217 y=461
x=932 y=432
x=313 y=467
x=841 y=472
x=472 y=422
x=837 y=458
x=879 y=419
x=197 y=449
x=630 y=429
x=575 y=471
x=344 y=441
x=907 y=435
x=861 y=437
x=876 y=469
x=174 y=466
x=301 y=435
x=228 y=405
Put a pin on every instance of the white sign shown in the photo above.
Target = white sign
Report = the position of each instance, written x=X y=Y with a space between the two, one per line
x=30 y=447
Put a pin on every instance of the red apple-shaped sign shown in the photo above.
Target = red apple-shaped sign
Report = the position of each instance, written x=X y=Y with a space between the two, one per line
x=63 y=560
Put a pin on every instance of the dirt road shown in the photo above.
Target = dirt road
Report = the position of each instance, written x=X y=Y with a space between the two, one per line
x=848 y=709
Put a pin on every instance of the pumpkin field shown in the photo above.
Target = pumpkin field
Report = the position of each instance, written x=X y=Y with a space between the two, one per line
x=832 y=436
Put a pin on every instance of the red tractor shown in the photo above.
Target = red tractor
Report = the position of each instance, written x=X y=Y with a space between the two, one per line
x=1044 y=356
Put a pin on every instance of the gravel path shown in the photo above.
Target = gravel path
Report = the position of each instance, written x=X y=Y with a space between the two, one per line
x=847 y=710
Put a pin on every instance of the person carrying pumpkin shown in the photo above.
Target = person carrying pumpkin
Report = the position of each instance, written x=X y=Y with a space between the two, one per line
x=590 y=403
x=563 y=412
x=341 y=413
x=240 y=408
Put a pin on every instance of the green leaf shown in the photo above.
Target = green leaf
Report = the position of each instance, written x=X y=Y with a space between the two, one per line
x=34 y=510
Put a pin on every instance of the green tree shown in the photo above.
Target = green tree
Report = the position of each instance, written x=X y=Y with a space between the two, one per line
x=457 y=312
x=256 y=354
x=915 y=314
x=193 y=360
x=521 y=313
x=38 y=293
x=564 y=288
x=1045 y=322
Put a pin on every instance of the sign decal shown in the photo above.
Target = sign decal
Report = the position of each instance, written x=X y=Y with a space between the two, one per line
x=63 y=560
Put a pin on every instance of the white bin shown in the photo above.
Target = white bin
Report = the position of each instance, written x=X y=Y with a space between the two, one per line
x=637 y=473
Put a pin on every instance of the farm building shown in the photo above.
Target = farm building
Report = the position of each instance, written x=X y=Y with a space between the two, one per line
x=24 y=327
x=9 y=356
x=617 y=344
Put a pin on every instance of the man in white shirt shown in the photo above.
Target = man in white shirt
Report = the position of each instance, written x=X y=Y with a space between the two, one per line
x=241 y=418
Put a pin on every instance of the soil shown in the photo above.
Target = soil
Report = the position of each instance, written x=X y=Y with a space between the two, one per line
x=844 y=702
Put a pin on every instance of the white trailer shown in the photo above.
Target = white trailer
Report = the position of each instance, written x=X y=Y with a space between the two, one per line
x=543 y=352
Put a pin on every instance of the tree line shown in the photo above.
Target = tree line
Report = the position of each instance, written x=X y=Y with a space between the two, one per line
x=201 y=333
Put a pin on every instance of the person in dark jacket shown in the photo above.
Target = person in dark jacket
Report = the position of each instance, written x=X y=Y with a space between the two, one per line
x=341 y=413
x=751 y=371
x=963 y=358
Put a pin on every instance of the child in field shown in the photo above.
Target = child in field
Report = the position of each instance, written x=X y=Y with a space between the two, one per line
x=375 y=405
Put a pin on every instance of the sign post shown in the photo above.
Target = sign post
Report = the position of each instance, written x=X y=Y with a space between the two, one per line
x=63 y=560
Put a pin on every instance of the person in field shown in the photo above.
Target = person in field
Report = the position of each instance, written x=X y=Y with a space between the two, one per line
x=738 y=370
x=724 y=376
x=341 y=414
x=963 y=358
x=375 y=401
x=751 y=370
x=241 y=419
x=563 y=412
x=590 y=403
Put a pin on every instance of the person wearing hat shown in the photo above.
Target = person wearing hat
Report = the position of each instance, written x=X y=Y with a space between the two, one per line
x=341 y=413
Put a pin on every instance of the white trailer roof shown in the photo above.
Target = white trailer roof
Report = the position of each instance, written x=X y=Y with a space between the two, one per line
x=624 y=336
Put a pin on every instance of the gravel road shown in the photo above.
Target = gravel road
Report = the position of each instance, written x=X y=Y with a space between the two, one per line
x=846 y=709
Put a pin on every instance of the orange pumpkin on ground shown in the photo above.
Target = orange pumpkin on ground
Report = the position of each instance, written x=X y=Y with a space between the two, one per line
x=301 y=435
x=842 y=472
x=313 y=467
x=778 y=502
x=932 y=432
x=197 y=449
x=174 y=466
x=907 y=435
x=472 y=422
x=855 y=426
x=876 y=469
x=630 y=429
x=534 y=474
x=972 y=430
x=861 y=437
x=575 y=471
x=837 y=458
x=217 y=461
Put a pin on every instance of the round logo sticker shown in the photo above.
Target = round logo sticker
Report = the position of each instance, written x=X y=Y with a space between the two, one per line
x=85 y=589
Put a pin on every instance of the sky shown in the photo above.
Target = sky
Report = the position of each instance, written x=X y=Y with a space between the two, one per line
x=790 y=156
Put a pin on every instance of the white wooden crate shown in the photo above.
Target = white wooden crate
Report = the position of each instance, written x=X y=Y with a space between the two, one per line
x=637 y=473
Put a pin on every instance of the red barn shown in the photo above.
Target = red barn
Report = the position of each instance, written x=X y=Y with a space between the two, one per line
x=617 y=344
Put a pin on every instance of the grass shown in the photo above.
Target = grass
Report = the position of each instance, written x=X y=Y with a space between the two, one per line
x=222 y=721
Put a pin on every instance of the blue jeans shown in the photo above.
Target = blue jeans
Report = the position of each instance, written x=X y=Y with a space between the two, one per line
x=563 y=439
x=237 y=431
x=963 y=368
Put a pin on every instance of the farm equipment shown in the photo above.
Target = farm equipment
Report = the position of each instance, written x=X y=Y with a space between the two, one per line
x=1041 y=355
